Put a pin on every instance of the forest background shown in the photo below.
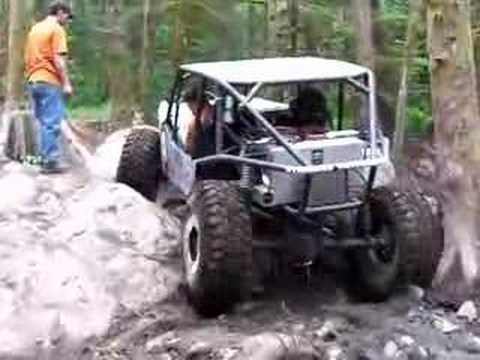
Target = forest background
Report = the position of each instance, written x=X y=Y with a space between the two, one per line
x=124 y=52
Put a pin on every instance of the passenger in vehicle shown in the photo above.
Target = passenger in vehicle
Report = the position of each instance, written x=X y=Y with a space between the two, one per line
x=310 y=112
x=200 y=139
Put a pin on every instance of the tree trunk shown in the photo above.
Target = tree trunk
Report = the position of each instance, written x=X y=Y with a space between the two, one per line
x=146 y=63
x=410 y=44
x=282 y=34
x=294 y=19
x=181 y=35
x=120 y=77
x=16 y=40
x=3 y=48
x=280 y=30
x=266 y=28
x=365 y=51
x=386 y=69
x=476 y=39
x=362 y=14
x=252 y=29
x=372 y=52
x=17 y=131
x=457 y=130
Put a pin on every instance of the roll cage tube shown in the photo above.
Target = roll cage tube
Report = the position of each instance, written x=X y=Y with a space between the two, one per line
x=259 y=118
x=243 y=100
x=174 y=101
x=341 y=104
x=372 y=106
x=219 y=119
x=171 y=99
x=373 y=113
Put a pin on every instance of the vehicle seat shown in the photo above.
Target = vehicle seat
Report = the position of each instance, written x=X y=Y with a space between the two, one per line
x=305 y=132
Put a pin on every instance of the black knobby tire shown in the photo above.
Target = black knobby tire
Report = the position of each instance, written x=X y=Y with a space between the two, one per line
x=430 y=248
x=140 y=162
x=217 y=247
x=391 y=215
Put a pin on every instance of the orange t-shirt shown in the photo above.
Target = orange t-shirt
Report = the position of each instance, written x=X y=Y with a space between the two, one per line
x=46 y=39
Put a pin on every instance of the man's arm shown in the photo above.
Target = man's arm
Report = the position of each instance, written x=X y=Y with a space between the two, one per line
x=60 y=51
x=61 y=65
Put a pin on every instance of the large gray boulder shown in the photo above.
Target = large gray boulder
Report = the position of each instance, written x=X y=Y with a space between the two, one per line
x=73 y=253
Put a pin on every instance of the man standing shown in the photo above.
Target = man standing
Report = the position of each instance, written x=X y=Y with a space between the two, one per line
x=48 y=80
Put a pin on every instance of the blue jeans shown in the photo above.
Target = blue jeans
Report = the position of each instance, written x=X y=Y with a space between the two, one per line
x=49 y=109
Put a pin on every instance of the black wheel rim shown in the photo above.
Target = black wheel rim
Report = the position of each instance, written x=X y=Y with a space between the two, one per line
x=193 y=245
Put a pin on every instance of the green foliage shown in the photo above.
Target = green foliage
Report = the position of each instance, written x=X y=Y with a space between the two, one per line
x=419 y=116
x=86 y=66
x=201 y=30
x=95 y=113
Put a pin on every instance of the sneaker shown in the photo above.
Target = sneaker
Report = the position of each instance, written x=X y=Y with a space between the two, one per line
x=53 y=167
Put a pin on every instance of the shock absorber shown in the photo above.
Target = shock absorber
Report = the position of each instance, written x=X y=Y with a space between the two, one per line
x=246 y=174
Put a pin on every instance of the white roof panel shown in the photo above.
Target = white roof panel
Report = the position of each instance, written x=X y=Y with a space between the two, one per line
x=276 y=70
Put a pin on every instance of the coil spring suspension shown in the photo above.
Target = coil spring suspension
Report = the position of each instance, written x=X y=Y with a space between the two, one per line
x=246 y=174
x=246 y=179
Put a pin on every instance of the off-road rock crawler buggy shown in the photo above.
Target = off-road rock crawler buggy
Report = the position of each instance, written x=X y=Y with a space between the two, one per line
x=267 y=149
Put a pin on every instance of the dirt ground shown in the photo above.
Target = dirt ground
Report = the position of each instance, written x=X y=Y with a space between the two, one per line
x=126 y=299
x=329 y=326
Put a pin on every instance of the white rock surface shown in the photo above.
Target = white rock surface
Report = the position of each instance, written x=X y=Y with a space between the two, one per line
x=444 y=325
x=160 y=342
x=406 y=341
x=328 y=332
x=71 y=254
x=18 y=187
x=104 y=163
x=390 y=350
x=335 y=352
x=274 y=346
x=468 y=311
x=416 y=292
x=199 y=350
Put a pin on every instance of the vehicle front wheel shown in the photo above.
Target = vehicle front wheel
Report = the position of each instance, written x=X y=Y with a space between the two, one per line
x=217 y=247
x=140 y=162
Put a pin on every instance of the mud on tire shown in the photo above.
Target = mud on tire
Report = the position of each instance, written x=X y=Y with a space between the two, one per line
x=430 y=248
x=139 y=165
x=390 y=214
x=217 y=247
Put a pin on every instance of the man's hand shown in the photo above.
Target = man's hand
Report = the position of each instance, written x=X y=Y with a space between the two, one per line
x=61 y=64
x=68 y=89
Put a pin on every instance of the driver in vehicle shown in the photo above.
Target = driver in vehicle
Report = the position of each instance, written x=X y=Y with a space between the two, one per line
x=198 y=127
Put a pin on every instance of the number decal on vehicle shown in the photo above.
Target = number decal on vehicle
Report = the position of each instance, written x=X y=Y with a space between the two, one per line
x=317 y=157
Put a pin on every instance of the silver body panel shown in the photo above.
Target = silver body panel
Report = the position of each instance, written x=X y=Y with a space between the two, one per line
x=326 y=188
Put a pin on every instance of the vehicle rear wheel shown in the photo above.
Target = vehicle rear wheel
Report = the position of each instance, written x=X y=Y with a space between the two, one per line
x=140 y=161
x=392 y=217
x=217 y=247
x=431 y=246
